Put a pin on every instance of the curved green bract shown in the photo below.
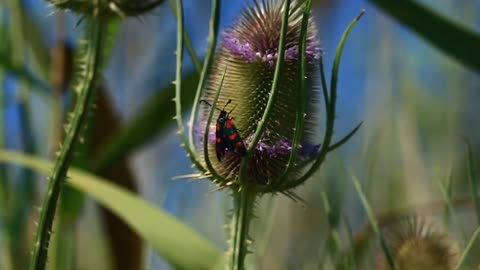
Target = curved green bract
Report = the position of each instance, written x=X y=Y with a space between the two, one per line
x=271 y=99
x=302 y=100
x=215 y=176
x=331 y=111
x=178 y=89
x=212 y=42
x=177 y=243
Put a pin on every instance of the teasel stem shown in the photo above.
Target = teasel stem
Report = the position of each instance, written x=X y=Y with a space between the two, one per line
x=88 y=76
x=331 y=100
x=244 y=201
x=271 y=99
x=302 y=97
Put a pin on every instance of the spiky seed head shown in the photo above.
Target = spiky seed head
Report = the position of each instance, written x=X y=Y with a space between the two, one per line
x=247 y=55
x=417 y=243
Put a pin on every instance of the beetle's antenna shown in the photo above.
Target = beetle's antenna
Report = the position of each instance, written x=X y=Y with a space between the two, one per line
x=228 y=102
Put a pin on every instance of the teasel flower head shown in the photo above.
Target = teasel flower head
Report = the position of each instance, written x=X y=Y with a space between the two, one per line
x=243 y=72
x=417 y=243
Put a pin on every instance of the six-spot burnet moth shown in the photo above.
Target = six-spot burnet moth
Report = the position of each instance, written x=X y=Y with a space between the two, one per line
x=226 y=134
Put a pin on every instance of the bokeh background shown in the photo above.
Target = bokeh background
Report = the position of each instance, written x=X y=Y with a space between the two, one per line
x=417 y=104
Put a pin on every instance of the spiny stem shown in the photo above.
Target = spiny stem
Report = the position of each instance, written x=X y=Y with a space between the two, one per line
x=85 y=92
x=244 y=201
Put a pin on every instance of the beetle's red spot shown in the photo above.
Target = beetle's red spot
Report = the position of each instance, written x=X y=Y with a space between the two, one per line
x=233 y=136
x=238 y=146
x=219 y=140
x=229 y=123
x=218 y=127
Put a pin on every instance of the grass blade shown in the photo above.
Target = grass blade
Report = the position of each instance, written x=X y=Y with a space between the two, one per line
x=177 y=243
x=373 y=221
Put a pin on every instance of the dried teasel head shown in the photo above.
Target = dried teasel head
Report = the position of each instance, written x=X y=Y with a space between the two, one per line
x=417 y=243
x=243 y=72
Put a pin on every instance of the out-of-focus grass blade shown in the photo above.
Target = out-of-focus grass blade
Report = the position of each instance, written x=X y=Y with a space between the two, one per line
x=178 y=244
x=450 y=38
x=154 y=118
x=29 y=28
x=373 y=221
x=7 y=65
x=468 y=248
x=472 y=177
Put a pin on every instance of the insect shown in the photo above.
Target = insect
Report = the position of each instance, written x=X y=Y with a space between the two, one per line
x=226 y=134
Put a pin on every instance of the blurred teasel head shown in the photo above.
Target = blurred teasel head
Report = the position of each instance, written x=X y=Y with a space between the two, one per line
x=241 y=84
x=417 y=243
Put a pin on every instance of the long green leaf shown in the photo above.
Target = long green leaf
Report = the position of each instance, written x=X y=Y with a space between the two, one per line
x=177 y=243
x=450 y=38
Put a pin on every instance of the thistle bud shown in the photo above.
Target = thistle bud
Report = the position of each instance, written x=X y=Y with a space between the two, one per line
x=417 y=244
x=243 y=71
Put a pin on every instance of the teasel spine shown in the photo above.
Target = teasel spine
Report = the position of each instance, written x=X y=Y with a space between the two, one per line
x=86 y=75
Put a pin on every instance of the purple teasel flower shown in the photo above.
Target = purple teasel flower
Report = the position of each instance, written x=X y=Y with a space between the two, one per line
x=248 y=53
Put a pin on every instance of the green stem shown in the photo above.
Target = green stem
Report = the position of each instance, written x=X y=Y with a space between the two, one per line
x=244 y=201
x=85 y=92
